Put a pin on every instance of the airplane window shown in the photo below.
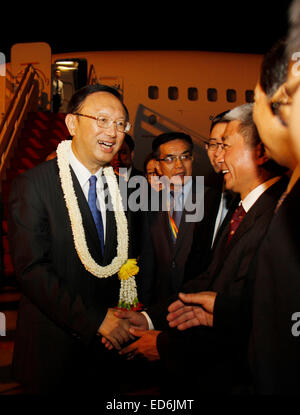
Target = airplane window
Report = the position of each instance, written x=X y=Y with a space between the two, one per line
x=212 y=94
x=153 y=92
x=192 y=94
x=231 y=95
x=173 y=92
x=249 y=95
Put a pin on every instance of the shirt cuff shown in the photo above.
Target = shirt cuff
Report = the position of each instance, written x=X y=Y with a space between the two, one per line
x=150 y=324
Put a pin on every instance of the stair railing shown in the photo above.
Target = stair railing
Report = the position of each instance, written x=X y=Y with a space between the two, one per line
x=24 y=100
x=92 y=76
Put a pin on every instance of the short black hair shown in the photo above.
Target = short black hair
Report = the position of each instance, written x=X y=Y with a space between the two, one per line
x=129 y=141
x=274 y=68
x=171 y=136
x=81 y=94
x=217 y=119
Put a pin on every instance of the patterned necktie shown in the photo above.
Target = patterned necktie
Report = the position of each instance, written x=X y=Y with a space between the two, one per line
x=92 y=201
x=175 y=215
x=237 y=217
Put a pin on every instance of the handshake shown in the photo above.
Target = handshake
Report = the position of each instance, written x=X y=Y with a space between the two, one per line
x=119 y=327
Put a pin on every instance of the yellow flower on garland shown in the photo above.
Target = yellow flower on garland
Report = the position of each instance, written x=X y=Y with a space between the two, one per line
x=129 y=269
x=128 y=299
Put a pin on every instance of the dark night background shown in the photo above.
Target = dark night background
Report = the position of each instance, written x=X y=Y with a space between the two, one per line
x=246 y=27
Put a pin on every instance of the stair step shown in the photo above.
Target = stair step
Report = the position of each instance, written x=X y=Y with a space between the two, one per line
x=40 y=136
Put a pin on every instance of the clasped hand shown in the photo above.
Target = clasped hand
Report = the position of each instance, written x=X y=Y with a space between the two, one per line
x=115 y=328
x=121 y=326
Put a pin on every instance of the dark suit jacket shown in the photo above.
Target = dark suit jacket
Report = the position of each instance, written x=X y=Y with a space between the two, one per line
x=275 y=341
x=163 y=264
x=63 y=305
x=220 y=350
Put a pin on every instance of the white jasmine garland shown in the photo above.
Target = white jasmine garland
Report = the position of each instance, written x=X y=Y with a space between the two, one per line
x=128 y=290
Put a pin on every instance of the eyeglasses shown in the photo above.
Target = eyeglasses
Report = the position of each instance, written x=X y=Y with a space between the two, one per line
x=172 y=159
x=226 y=147
x=106 y=122
x=214 y=146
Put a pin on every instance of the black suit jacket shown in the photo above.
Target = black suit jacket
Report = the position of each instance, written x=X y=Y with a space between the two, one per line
x=221 y=350
x=63 y=305
x=275 y=340
x=163 y=263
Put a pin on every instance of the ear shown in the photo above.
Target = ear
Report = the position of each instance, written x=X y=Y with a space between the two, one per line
x=70 y=121
x=157 y=167
x=260 y=154
x=282 y=94
x=132 y=155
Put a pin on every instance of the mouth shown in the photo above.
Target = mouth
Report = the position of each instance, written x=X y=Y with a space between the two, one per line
x=106 y=145
x=225 y=171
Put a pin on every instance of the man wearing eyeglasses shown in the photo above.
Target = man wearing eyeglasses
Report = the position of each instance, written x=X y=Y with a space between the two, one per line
x=66 y=306
x=214 y=147
x=171 y=231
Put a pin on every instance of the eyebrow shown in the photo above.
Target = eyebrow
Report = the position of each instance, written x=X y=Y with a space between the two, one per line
x=109 y=116
x=184 y=152
x=215 y=139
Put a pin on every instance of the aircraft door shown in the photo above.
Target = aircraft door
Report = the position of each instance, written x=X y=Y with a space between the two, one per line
x=73 y=74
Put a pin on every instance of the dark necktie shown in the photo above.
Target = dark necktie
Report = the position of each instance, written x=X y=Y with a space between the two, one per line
x=176 y=212
x=237 y=217
x=92 y=201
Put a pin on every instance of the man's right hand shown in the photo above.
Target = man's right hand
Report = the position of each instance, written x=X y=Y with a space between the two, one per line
x=134 y=319
x=114 y=329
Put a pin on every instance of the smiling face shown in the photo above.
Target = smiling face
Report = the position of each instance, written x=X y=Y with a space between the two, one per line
x=94 y=146
x=216 y=138
x=239 y=162
x=273 y=133
x=178 y=169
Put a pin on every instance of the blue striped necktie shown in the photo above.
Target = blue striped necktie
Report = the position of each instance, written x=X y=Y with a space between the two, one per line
x=92 y=201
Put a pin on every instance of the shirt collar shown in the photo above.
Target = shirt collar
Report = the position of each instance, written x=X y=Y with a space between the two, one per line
x=81 y=172
x=252 y=197
x=185 y=190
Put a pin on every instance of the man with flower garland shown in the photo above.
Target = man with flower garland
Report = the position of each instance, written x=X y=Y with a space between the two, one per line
x=66 y=265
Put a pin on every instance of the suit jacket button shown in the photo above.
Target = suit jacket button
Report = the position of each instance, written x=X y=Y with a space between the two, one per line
x=173 y=264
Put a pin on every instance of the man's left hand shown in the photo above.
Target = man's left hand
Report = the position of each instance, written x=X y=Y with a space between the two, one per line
x=145 y=346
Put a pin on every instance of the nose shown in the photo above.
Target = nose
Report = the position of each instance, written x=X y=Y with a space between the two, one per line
x=112 y=129
x=178 y=163
x=219 y=155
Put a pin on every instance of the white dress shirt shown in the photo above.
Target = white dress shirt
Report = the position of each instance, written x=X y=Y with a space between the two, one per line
x=252 y=197
x=83 y=175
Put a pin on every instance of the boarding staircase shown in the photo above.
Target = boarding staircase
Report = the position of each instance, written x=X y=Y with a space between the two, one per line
x=39 y=137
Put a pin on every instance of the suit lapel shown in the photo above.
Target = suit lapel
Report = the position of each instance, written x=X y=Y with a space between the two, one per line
x=185 y=226
x=266 y=202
